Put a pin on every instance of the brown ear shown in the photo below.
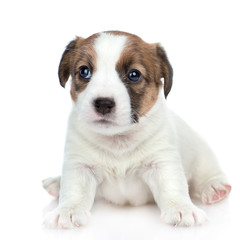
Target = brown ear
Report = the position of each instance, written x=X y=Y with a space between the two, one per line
x=166 y=69
x=66 y=63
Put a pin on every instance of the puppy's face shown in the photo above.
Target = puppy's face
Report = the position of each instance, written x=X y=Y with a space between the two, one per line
x=115 y=79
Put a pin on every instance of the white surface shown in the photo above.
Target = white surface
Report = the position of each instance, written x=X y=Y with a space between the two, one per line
x=202 y=41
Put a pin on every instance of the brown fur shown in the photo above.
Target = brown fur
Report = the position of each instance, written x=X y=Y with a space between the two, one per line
x=151 y=61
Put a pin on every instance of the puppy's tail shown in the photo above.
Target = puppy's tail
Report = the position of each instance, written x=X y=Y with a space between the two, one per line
x=52 y=186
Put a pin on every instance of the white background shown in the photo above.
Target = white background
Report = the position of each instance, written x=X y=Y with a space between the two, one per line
x=202 y=41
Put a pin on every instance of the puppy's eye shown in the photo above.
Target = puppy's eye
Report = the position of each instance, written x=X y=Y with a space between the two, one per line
x=84 y=72
x=134 y=75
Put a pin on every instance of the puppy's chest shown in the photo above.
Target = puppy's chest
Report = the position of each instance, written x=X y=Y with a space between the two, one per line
x=122 y=181
x=119 y=177
x=128 y=189
x=120 y=172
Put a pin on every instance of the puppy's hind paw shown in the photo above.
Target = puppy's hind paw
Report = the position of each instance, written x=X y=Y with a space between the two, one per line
x=215 y=192
x=52 y=186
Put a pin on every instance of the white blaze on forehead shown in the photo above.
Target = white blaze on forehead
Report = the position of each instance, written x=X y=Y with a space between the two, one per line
x=109 y=48
x=105 y=82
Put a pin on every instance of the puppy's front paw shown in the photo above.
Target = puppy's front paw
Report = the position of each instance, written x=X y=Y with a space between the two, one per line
x=185 y=216
x=67 y=218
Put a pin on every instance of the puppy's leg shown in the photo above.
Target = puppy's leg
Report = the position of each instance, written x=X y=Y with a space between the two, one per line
x=169 y=187
x=52 y=186
x=209 y=182
x=77 y=193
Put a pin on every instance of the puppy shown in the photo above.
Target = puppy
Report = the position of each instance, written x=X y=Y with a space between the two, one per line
x=123 y=144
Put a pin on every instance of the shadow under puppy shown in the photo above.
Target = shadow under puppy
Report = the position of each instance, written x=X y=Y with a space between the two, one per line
x=123 y=144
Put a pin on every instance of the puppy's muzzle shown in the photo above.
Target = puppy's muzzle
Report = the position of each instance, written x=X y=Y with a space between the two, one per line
x=104 y=105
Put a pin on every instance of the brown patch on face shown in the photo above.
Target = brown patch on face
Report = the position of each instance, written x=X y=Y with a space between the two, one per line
x=150 y=60
x=79 y=52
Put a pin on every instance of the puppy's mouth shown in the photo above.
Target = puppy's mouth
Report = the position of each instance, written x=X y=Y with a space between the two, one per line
x=104 y=122
x=108 y=124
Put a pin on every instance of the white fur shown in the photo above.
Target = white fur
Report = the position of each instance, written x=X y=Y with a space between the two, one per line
x=152 y=160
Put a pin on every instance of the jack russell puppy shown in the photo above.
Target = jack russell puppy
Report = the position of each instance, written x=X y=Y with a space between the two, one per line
x=123 y=144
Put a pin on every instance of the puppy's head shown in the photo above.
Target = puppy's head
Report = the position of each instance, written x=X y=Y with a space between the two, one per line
x=115 y=79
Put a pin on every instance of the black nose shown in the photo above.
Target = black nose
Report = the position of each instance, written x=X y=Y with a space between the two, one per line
x=104 y=105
